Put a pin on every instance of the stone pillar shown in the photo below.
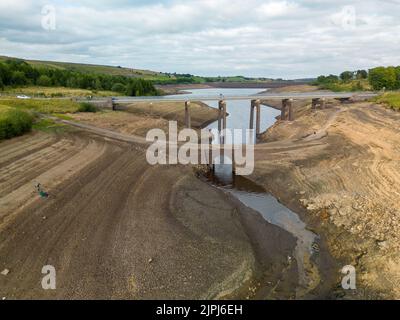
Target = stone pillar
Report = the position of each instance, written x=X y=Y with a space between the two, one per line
x=110 y=103
x=314 y=104
x=252 y=114
x=187 y=115
x=258 y=119
x=220 y=115
x=283 y=110
x=323 y=103
x=224 y=115
x=210 y=158
x=291 y=114
x=233 y=159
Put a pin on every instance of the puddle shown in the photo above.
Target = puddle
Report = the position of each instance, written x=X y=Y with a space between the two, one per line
x=255 y=197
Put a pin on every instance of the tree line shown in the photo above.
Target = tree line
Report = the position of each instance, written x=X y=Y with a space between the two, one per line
x=17 y=73
x=379 y=78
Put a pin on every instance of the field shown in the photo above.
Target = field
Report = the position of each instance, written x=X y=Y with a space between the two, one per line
x=56 y=92
x=43 y=106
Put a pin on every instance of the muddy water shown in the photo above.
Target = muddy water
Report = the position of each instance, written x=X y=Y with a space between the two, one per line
x=253 y=195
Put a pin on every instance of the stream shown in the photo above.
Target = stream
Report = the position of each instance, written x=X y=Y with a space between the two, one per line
x=248 y=192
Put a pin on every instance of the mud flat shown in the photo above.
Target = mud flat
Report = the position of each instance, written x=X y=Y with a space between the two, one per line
x=139 y=118
x=339 y=169
x=115 y=227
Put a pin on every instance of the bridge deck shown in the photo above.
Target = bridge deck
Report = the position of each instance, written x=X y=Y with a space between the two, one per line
x=282 y=96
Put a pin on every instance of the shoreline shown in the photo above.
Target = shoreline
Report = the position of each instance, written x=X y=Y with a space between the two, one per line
x=307 y=162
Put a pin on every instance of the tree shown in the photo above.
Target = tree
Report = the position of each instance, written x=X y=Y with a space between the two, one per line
x=382 y=77
x=44 y=81
x=1 y=84
x=346 y=76
x=18 y=78
x=361 y=74
x=118 y=87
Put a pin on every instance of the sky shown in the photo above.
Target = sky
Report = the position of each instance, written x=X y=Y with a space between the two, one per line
x=268 y=38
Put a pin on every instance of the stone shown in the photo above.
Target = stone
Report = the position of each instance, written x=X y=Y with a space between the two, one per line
x=5 y=272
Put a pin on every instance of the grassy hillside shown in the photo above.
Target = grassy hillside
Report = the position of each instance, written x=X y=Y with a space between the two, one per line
x=159 y=78
x=90 y=68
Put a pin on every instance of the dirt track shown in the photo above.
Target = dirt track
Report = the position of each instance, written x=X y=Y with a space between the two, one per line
x=340 y=167
x=115 y=227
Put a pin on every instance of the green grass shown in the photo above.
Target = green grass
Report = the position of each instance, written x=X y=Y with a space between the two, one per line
x=48 y=125
x=14 y=122
x=87 y=107
x=390 y=99
x=91 y=68
x=57 y=92
x=63 y=116
x=354 y=85
x=43 y=106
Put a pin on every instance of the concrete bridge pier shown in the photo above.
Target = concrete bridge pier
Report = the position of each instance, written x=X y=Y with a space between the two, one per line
x=188 y=124
x=210 y=151
x=283 y=110
x=222 y=118
x=318 y=102
x=111 y=104
x=287 y=110
x=255 y=105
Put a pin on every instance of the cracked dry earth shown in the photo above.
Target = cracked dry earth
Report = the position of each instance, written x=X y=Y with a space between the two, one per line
x=340 y=167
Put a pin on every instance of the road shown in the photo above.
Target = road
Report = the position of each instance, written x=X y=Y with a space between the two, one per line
x=279 y=96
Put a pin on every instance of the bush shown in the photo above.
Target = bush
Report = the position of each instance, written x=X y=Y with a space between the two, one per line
x=118 y=87
x=382 y=77
x=18 y=78
x=44 y=81
x=87 y=107
x=390 y=99
x=14 y=123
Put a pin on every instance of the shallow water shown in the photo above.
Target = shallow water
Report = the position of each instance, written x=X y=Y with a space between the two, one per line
x=248 y=192
x=239 y=111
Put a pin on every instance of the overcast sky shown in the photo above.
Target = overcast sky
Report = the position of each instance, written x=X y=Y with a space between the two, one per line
x=277 y=38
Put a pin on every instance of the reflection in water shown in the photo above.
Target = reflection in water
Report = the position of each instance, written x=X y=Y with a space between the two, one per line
x=248 y=192
x=239 y=111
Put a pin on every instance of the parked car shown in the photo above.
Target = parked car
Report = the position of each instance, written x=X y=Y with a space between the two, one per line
x=23 y=97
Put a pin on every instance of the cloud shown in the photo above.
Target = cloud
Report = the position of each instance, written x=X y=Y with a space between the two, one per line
x=276 y=8
x=276 y=38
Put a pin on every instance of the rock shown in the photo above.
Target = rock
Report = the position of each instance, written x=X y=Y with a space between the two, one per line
x=4 y=298
x=382 y=244
x=44 y=217
x=150 y=260
x=5 y=272
x=311 y=206
x=302 y=192
x=304 y=202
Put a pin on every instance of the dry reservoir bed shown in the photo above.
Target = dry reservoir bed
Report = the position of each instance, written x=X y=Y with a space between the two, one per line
x=115 y=227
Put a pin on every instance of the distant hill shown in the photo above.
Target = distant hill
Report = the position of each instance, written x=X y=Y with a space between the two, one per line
x=92 y=68
x=159 y=78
